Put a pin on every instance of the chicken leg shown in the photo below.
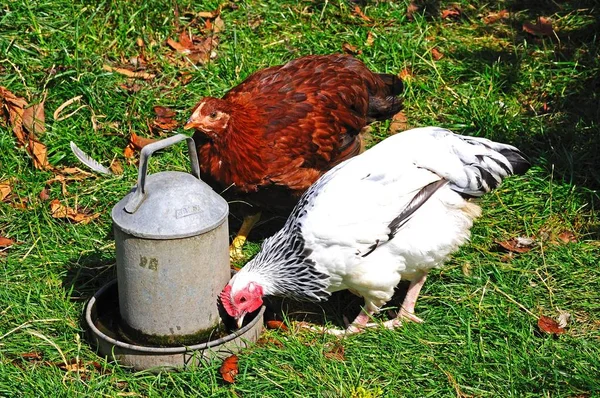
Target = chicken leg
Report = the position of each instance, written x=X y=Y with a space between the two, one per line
x=407 y=312
x=235 y=250
x=407 y=309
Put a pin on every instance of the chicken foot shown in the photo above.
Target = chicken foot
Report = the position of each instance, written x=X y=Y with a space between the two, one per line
x=407 y=312
x=235 y=250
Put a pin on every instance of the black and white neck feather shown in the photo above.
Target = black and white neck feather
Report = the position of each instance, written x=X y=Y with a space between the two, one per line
x=283 y=261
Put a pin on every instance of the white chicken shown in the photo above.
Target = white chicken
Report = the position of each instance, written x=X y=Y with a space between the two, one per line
x=392 y=213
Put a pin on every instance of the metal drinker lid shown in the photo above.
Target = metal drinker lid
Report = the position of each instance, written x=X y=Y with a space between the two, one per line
x=169 y=204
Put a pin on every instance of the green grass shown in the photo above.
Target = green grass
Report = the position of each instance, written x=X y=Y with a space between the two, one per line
x=493 y=81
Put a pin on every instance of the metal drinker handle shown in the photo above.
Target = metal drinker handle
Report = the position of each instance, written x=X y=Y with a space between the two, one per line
x=140 y=193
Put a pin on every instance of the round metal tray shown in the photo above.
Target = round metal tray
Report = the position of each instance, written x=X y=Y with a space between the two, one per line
x=162 y=358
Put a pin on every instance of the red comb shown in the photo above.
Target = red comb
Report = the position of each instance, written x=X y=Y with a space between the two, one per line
x=225 y=297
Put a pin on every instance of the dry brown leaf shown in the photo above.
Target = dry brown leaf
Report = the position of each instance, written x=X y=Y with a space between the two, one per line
x=405 y=73
x=34 y=118
x=218 y=25
x=196 y=49
x=20 y=205
x=517 y=245
x=177 y=46
x=32 y=356
x=451 y=12
x=44 y=195
x=130 y=87
x=350 y=49
x=370 y=39
x=361 y=14
x=62 y=106
x=116 y=167
x=209 y=14
x=411 y=9
x=398 y=123
x=5 y=189
x=567 y=237
x=13 y=108
x=436 y=54
x=5 y=242
x=275 y=324
x=162 y=111
x=549 y=325
x=129 y=73
x=335 y=351
x=139 y=142
x=543 y=27
x=129 y=151
x=162 y=123
x=229 y=369
x=38 y=153
x=58 y=210
x=493 y=17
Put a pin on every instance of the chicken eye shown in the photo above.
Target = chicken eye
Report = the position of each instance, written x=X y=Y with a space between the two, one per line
x=243 y=300
x=213 y=115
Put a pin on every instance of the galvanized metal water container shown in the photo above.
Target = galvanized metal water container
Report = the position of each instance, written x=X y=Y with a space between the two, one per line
x=172 y=253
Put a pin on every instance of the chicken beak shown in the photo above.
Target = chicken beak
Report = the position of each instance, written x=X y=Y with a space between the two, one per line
x=189 y=124
x=240 y=320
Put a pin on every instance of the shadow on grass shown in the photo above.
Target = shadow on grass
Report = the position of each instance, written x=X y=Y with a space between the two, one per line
x=570 y=144
x=87 y=274
x=332 y=311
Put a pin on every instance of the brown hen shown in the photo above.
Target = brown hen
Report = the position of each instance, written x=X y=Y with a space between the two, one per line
x=269 y=138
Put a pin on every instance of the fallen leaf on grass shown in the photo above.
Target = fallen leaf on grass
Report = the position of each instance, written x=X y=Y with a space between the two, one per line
x=567 y=237
x=58 y=210
x=116 y=167
x=543 y=27
x=549 y=325
x=139 y=142
x=274 y=324
x=129 y=151
x=129 y=73
x=517 y=245
x=350 y=49
x=196 y=49
x=370 y=39
x=130 y=87
x=209 y=14
x=451 y=12
x=398 y=123
x=44 y=194
x=32 y=356
x=164 y=119
x=5 y=242
x=5 y=189
x=38 y=152
x=436 y=54
x=335 y=351
x=411 y=9
x=493 y=17
x=361 y=14
x=217 y=26
x=405 y=73
x=65 y=104
x=14 y=109
x=229 y=369
x=34 y=118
